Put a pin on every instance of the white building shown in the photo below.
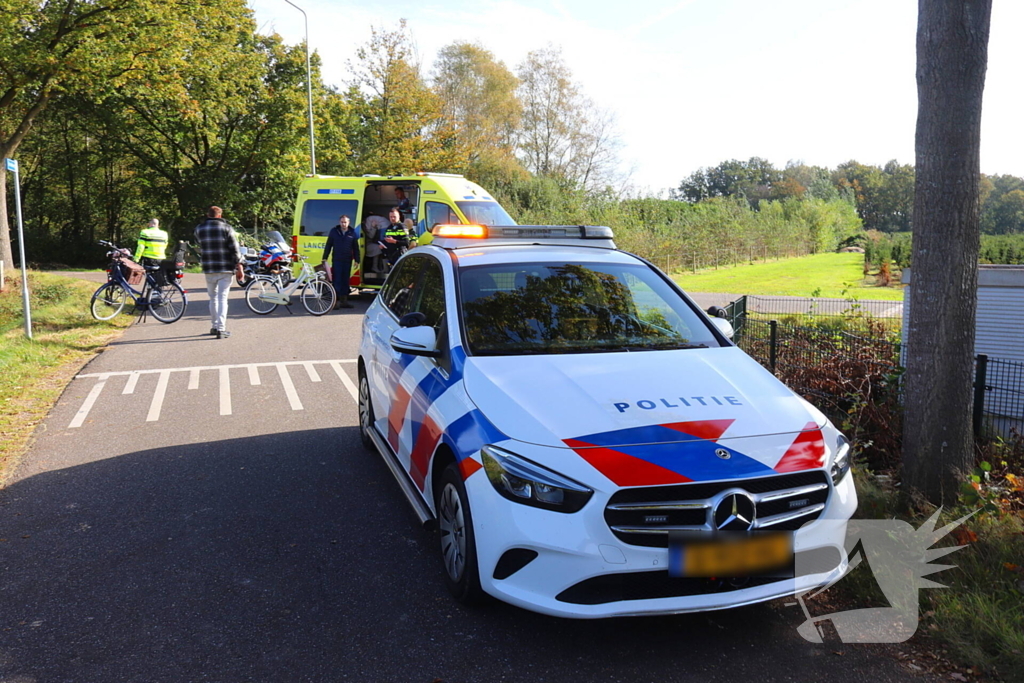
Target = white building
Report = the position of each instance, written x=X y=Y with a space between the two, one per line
x=999 y=334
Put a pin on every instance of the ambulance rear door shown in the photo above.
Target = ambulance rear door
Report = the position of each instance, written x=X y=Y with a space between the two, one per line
x=321 y=207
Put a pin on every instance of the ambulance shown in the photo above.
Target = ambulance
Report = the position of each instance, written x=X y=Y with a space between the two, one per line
x=425 y=199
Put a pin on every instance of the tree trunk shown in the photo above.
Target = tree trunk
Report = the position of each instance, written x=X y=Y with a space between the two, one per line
x=952 y=55
x=6 y=253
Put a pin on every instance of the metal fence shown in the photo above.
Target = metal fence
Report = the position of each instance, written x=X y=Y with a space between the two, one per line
x=801 y=305
x=796 y=355
x=998 y=396
x=856 y=364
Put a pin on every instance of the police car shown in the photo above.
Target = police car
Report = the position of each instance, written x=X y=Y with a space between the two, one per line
x=586 y=440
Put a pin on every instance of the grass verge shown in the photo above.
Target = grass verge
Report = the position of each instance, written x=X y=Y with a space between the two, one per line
x=822 y=275
x=978 y=619
x=33 y=373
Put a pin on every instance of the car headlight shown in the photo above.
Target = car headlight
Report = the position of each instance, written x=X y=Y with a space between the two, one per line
x=522 y=481
x=841 y=460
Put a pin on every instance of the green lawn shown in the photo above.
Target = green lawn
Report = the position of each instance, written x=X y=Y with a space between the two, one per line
x=826 y=275
x=34 y=372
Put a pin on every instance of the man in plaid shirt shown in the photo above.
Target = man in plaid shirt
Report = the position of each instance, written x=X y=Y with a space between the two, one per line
x=221 y=257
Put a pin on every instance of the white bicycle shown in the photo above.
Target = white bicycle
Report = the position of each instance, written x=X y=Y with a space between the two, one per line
x=264 y=294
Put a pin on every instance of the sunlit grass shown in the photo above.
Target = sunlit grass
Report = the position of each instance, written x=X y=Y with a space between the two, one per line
x=823 y=275
x=979 y=616
x=33 y=373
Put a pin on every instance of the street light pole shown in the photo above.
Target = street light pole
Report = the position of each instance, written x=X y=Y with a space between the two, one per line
x=309 y=91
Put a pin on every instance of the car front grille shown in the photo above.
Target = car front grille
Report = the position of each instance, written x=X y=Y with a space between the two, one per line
x=645 y=516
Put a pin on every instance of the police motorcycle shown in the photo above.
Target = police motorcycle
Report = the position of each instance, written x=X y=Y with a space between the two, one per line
x=273 y=259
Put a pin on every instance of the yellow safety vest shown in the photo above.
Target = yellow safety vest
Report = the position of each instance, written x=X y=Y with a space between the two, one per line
x=152 y=244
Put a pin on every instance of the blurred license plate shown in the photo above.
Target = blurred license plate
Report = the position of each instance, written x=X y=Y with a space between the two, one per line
x=730 y=555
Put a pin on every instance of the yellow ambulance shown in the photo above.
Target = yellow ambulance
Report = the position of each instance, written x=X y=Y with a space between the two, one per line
x=425 y=199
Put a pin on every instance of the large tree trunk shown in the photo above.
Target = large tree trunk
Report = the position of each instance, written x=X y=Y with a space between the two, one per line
x=952 y=55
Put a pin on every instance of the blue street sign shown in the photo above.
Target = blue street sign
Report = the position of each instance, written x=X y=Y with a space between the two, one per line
x=12 y=164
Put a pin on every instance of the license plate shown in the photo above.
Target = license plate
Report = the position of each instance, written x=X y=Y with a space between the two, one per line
x=729 y=556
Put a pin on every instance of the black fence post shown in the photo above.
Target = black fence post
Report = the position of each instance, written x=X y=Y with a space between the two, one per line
x=980 y=377
x=773 y=325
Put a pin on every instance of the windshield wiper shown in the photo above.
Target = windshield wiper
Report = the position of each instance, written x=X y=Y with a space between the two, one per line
x=663 y=346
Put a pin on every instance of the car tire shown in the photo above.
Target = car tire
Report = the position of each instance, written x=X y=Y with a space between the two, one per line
x=457 y=539
x=366 y=418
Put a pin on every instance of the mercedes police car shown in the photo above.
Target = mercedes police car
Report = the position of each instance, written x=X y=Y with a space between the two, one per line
x=587 y=441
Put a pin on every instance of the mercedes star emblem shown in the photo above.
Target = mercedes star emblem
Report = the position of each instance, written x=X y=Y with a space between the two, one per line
x=735 y=512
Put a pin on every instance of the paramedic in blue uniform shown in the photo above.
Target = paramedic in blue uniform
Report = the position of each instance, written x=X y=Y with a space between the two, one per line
x=402 y=201
x=344 y=243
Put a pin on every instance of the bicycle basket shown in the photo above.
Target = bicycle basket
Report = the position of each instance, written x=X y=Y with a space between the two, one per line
x=132 y=272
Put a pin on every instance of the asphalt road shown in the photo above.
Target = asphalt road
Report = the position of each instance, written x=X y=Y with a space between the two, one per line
x=208 y=514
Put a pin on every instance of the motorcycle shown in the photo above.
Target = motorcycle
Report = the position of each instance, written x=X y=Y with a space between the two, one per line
x=273 y=259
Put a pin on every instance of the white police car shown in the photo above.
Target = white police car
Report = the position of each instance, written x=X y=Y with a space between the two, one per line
x=588 y=442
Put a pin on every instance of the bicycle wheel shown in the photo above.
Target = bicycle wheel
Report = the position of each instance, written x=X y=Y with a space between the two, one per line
x=318 y=296
x=108 y=301
x=254 y=292
x=167 y=302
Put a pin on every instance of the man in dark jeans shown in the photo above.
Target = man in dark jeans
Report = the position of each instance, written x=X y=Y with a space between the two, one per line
x=221 y=257
x=342 y=241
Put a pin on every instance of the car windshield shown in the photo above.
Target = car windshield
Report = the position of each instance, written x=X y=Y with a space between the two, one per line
x=485 y=213
x=547 y=308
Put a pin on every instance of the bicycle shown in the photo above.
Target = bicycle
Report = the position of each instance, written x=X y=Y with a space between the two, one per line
x=264 y=294
x=166 y=302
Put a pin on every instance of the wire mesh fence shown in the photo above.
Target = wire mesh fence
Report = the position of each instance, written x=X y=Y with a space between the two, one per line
x=799 y=355
x=838 y=370
x=999 y=396
x=815 y=306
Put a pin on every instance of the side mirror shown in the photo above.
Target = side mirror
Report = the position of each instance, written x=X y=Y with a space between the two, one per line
x=414 y=319
x=724 y=326
x=420 y=340
x=717 y=312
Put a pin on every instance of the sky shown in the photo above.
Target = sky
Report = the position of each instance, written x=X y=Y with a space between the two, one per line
x=693 y=83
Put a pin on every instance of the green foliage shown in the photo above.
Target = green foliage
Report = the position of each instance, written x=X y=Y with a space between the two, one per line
x=884 y=195
x=478 y=99
x=227 y=129
x=400 y=126
x=1002 y=205
x=34 y=372
x=752 y=179
x=897 y=248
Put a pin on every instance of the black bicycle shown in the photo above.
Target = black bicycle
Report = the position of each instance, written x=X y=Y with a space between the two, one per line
x=160 y=295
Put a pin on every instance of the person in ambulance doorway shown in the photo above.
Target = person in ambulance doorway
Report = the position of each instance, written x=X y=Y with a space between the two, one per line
x=402 y=201
x=396 y=237
x=344 y=244
x=152 y=244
